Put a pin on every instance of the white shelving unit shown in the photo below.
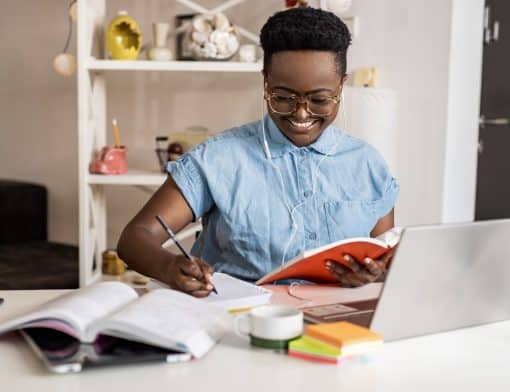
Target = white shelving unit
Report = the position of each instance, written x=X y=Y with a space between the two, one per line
x=92 y=123
x=186 y=66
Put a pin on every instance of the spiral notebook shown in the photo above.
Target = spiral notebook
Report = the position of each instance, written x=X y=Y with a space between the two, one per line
x=233 y=294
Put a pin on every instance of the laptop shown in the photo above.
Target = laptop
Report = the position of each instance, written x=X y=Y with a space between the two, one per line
x=442 y=277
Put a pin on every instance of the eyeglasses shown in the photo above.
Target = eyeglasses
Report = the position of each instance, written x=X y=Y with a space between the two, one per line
x=316 y=103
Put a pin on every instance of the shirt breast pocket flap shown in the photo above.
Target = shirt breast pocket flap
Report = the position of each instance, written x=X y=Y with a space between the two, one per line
x=349 y=218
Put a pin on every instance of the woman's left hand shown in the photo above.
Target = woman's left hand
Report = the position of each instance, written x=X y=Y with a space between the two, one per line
x=357 y=274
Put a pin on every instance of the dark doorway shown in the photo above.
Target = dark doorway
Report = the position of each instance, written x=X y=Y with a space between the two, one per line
x=493 y=174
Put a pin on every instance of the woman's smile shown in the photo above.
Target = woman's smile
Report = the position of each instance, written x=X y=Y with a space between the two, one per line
x=303 y=126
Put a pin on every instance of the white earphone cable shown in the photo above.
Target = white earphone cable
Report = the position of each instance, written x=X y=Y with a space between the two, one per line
x=315 y=173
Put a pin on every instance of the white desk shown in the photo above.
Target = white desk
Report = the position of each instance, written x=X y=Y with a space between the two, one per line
x=475 y=359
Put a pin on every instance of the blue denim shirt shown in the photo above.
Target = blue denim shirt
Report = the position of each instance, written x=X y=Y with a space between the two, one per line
x=258 y=212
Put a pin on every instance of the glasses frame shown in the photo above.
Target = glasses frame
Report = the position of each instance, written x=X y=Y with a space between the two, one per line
x=268 y=94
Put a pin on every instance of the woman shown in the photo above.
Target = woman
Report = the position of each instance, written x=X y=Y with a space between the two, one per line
x=267 y=190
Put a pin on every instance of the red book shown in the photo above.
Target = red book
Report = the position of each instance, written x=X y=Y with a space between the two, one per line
x=311 y=265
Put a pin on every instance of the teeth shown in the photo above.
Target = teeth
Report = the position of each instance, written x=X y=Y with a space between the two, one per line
x=307 y=124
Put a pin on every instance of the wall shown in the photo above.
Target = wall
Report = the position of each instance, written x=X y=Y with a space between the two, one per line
x=409 y=43
x=38 y=142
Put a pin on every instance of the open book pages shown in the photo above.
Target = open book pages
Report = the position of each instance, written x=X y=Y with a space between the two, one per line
x=232 y=294
x=311 y=264
x=164 y=317
x=169 y=319
x=72 y=313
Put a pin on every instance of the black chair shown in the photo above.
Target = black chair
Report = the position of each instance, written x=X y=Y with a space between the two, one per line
x=27 y=259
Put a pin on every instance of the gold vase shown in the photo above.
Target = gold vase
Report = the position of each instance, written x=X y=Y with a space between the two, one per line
x=123 y=37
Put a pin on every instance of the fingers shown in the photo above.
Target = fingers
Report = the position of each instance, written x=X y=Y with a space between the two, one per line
x=353 y=264
x=344 y=275
x=188 y=284
x=336 y=268
x=207 y=270
x=192 y=268
x=375 y=267
x=387 y=258
x=193 y=277
x=200 y=293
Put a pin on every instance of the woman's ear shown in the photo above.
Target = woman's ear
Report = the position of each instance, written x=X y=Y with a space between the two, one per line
x=345 y=78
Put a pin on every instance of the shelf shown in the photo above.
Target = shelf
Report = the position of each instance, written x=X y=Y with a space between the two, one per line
x=182 y=66
x=133 y=177
x=93 y=71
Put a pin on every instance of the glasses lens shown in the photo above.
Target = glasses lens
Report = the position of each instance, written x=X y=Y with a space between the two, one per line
x=283 y=103
x=320 y=104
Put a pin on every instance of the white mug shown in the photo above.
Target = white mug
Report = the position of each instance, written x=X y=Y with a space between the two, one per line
x=270 y=326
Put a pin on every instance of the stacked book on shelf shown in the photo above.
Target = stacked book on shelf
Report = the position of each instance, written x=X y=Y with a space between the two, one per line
x=334 y=342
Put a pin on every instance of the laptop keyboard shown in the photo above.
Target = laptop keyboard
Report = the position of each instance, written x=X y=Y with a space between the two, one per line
x=359 y=313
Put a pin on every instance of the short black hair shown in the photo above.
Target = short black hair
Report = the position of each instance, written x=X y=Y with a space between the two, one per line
x=305 y=28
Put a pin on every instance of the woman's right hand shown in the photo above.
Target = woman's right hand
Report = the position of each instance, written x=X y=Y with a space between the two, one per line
x=190 y=277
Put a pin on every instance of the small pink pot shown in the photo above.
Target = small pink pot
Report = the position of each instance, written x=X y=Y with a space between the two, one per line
x=112 y=161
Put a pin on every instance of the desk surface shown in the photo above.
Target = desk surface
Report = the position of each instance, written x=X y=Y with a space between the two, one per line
x=471 y=359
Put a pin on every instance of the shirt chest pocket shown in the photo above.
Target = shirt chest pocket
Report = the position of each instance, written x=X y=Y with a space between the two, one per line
x=349 y=218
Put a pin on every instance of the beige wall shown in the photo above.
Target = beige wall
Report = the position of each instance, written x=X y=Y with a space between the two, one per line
x=38 y=108
x=409 y=42
x=38 y=140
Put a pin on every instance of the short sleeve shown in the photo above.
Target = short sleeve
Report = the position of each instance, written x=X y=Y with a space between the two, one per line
x=191 y=180
x=385 y=185
x=389 y=197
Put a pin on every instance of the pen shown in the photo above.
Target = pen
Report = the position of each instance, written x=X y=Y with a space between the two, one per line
x=172 y=236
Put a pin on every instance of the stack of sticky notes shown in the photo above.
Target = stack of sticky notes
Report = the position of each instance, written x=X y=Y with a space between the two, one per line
x=334 y=342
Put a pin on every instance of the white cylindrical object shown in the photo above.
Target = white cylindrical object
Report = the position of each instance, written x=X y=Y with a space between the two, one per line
x=247 y=53
x=371 y=115
x=160 y=32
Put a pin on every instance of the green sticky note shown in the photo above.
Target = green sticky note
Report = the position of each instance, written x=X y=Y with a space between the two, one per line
x=306 y=344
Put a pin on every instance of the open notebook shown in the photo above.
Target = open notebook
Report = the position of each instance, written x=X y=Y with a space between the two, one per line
x=311 y=264
x=232 y=294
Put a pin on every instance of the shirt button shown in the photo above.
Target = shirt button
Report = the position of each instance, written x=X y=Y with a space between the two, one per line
x=307 y=193
x=312 y=236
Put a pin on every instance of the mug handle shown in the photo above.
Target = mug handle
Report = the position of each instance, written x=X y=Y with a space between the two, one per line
x=238 y=320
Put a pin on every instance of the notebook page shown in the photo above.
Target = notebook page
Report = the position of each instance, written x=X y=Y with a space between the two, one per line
x=392 y=236
x=235 y=293
x=166 y=318
x=74 y=311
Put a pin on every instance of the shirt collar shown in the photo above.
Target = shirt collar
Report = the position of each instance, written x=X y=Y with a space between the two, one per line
x=327 y=143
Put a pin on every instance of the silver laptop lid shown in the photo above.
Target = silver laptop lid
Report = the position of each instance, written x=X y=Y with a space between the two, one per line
x=446 y=277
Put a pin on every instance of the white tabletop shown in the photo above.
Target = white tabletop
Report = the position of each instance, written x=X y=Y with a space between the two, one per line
x=474 y=359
